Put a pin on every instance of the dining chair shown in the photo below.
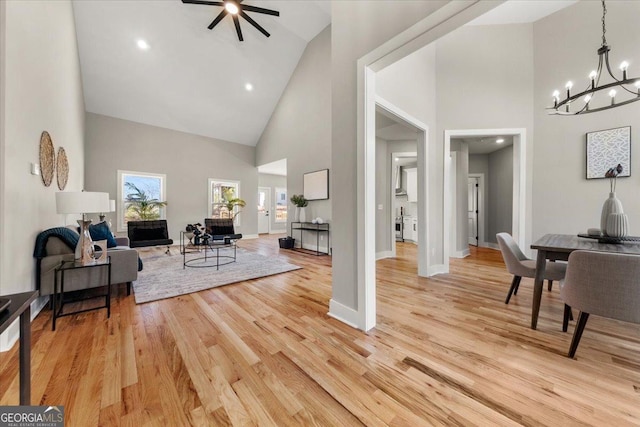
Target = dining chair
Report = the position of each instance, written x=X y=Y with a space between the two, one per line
x=604 y=284
x=520 y=266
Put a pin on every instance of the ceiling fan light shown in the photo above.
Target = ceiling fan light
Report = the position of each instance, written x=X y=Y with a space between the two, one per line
x=499 y=141
x=231 y=7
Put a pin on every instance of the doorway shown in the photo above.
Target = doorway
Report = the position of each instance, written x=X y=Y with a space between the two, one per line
x=264 y=204
x=473 y=210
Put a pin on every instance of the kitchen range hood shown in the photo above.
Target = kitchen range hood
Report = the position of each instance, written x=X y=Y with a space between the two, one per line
x=400 y=191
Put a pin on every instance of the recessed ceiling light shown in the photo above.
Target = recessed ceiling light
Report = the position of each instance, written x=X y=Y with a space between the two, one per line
x=397 y=159
x=142 y=44
x=499 y=141
x=231 y=7
x=248 y=87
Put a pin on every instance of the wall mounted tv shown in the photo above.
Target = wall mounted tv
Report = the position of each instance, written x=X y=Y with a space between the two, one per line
x=316 y=185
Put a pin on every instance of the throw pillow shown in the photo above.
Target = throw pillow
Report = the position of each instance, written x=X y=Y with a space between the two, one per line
x=101 y=231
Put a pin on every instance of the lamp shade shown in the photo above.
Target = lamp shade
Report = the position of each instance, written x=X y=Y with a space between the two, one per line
x=112 y=205
x=82 y=202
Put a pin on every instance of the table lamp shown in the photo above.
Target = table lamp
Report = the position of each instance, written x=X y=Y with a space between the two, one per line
x=112 y=208
x=82 y=202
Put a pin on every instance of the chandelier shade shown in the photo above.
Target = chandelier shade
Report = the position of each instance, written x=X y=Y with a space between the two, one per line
x=582 y=102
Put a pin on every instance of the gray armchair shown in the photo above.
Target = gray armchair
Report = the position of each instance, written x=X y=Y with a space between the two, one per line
x=521 y=266
x=604 y=284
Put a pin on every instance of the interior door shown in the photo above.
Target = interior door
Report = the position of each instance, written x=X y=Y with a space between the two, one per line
x=264 y=204
x=473 y=211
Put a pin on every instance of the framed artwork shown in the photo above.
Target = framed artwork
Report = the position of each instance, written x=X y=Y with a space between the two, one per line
x=606 y=149
x=315 y=185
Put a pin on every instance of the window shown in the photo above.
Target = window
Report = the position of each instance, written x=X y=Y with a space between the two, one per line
x=221 y=192
x=141 y=196
x=281 y=205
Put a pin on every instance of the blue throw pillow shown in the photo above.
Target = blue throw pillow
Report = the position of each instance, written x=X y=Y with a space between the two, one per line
x=101 y=231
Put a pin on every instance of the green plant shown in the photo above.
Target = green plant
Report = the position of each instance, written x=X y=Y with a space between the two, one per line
x=299 y=200
x=231 y=204
x=141 y=205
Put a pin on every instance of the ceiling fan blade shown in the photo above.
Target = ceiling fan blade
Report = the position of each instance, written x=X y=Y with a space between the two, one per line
x=254 y=23
x=207 y=3
x=218 y=19
x=260 y=10
x=236 y=22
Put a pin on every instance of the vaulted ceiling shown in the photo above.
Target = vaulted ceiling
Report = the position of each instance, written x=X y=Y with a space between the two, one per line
x=191 y=79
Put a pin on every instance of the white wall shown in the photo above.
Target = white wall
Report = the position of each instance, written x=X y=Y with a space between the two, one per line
x=274 y=182
x=500 y=198
x=460 y=192
x=300 y=127
x=564 y=201
x=42 y=91
x=187 y=160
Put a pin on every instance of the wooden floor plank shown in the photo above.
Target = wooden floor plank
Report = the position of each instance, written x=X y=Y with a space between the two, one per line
x=446 y=350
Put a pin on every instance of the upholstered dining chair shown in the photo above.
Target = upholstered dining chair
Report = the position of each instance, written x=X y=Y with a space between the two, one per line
x=604 y=284
x=521 y=266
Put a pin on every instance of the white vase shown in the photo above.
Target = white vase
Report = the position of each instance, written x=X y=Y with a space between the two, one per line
x=296 y=215
x=303 y=214
x=611 y=205
x=617 y=225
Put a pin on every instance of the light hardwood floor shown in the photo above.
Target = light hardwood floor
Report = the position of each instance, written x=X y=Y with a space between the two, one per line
x=445 y=351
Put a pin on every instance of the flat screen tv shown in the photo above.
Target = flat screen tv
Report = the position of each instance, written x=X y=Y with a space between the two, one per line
x=316 y=185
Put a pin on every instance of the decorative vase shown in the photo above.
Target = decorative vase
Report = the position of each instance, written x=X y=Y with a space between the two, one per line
x=303 y=214
x=617 y=225
x=611 y=205
x=296 y=215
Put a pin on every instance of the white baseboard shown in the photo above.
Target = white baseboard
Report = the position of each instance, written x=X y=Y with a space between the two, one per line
x=250 y=236
x=437 y=269
x=460 y=254
x=12 y=333
x=283 y=231
x=343 y=313
x=383 y=255
x=491 y=245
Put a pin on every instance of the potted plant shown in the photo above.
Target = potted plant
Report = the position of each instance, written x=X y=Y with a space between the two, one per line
x=301 y=203
x=231 y=204
x=140 y=204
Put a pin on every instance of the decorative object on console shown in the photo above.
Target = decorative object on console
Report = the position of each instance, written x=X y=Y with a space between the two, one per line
x=300 y=202
x=617 y=225
x=594 y=86
x=606 y=148
x=612 y=205
x=235 y=8
x=102 y=245
x=47 y=158
x=82 y=202
x=62 y=168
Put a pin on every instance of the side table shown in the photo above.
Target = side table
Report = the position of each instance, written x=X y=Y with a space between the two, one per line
x=21 y=306
x=67 y=266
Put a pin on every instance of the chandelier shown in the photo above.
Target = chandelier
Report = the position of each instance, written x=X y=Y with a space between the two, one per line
x=586 y=96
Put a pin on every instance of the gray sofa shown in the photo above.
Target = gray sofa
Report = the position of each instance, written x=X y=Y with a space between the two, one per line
x=124 y=267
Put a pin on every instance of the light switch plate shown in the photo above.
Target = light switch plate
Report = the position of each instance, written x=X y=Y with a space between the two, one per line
x=35 y=169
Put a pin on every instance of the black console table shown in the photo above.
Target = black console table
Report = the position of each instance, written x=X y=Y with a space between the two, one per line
x=21 y=306
x=315 y=228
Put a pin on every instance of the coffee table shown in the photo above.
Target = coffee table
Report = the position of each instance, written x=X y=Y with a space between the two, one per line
x=208 y=253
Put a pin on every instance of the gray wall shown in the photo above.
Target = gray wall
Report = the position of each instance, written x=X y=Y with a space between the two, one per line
x=275 y=181
x=500 y=198
x=300 y=128
x=42 y=90
x=479 y=163
x=564 y=201
x=461 y=222
x=188 y=161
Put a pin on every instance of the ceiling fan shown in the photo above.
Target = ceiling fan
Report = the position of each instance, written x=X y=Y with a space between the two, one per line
x=235 y=8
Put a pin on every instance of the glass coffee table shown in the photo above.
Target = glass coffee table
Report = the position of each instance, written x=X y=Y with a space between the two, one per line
x=214 y=252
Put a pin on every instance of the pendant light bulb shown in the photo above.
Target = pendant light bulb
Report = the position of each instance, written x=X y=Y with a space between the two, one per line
x=231 y=7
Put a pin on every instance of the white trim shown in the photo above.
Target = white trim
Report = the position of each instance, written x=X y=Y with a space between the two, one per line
x=460 y=254
x=492 y=246
x=438 y=269
x=210 y=182
x=250 y=236
x=278 y=231
x=442 y=21
x=385 y=254
x=120 y=199
x=343 y=313
x=519 y=175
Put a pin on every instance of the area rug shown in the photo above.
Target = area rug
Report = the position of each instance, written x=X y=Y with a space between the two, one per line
x=164 y=277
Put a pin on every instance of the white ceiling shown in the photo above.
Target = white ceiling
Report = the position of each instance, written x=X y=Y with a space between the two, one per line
x=485 y=144
x=191 y=79
x=279 y=167
x=521 y=11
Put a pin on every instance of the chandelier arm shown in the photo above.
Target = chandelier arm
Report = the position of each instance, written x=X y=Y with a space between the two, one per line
x=598 y=89
x=563 y=113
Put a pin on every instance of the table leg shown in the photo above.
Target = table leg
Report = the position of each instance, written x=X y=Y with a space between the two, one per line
x=538 y=283
x=109 y=289
x=25 y=357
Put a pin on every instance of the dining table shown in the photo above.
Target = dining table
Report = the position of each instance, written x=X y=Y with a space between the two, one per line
x=558 y=247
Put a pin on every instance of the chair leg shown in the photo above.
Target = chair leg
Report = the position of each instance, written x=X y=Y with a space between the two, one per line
x=515 y=291
x=567 y=316
x=128 y=288
x=514 y=286
x=550 y=285
x=577 y=334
